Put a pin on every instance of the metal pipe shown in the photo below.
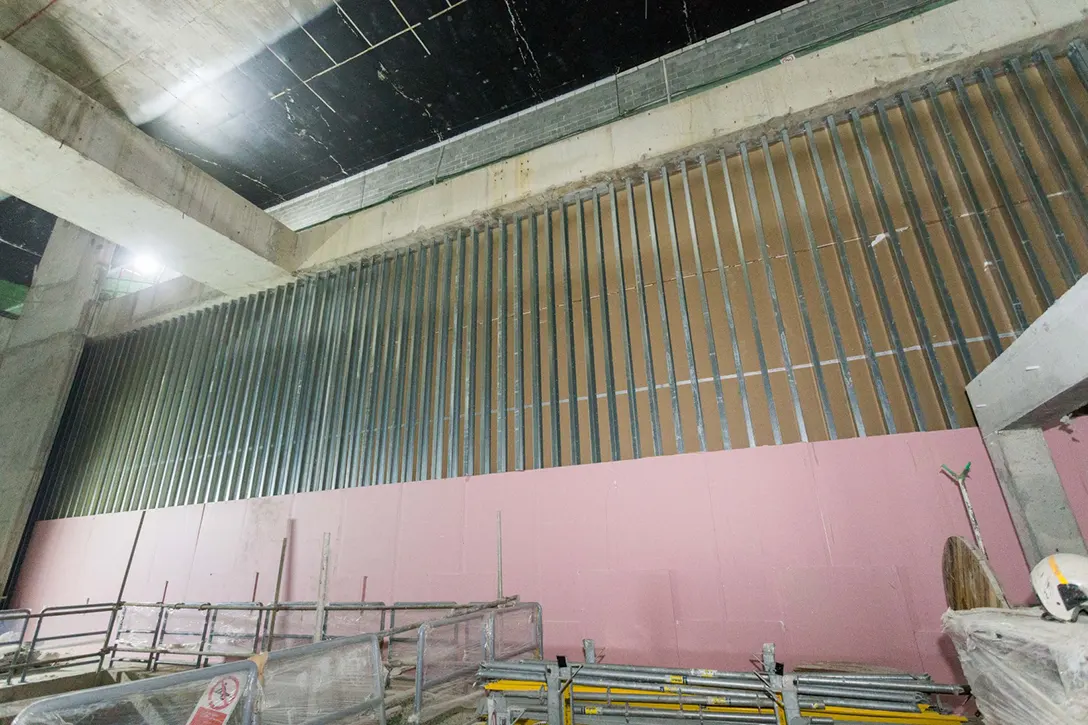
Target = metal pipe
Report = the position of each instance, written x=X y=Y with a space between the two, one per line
x=1005 y=287
x=798 y=288
x=243 y=434
x=551 y=300
x=875 y=276
x=348 y=378
x=288 y=477
x=534 y=345
x=685 y=321
x=359 y=411
x=148 y=429
x=922 y=232
x=825 y=294
x=473 y=295
x=485 y=387
x=328 y=375
x=457 y=303
x=663 y=308
x=587 y=339
x=133 y=404
x=839 y=245
x=918 y=316
x=503 y=343
x=268 y=373
x=606 y=333
x=708 y=324
x=379 y=343
x=230 y=405
x=128 y=434
x=768 y=273
x=1059 y=245
x=183 y=375
x=572 y=366
x=409 y=300
x=194 y=489
x=278 y=394
x=761 y=354
x=936 y=189
x=443 y=355
x=625 y=327
x=1051 y=145
x=391 y=375
x=428 y=397
x=410 y=448
x=727 y=303
x=519 y=351
x=1022 y=242
x=644 y=325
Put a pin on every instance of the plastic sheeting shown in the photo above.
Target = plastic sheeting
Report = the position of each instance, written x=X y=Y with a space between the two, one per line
x=1023 y=670
x=336 y=681
x=223 y=695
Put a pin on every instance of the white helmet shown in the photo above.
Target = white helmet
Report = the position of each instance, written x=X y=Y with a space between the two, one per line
x=1061 y=583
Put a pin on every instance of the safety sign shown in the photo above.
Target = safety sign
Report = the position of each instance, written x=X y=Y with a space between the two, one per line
x=218 y=702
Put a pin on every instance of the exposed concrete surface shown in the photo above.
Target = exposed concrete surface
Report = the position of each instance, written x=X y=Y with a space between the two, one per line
x=158 y=302
x=1037 y=502
x=1039 y=378
x=1043 y=375
x=6 y=326
x=69 y=155
x=141 y=56
x=36 y=370
x=933 y=45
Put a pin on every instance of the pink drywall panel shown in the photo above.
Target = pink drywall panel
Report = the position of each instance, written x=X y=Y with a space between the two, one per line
x=164 y=555
x=1069 y=448
x=832 y=550
x=366 y=547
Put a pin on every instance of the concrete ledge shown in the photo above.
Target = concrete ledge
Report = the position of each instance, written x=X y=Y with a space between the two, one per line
x=952 y=38
x=1043 y=375
x=154 y=304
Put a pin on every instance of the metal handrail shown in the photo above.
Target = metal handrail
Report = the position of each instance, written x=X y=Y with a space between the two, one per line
x=22 y=663
x=488 y=645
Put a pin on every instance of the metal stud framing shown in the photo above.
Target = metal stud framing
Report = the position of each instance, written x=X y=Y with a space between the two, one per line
x=380 y=371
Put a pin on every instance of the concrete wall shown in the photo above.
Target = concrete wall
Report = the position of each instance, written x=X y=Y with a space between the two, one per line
x=832 y=550
x=796 y=29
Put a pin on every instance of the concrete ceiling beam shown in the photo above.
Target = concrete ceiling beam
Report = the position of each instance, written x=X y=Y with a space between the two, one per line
x=1041 y=376
x=68 y=154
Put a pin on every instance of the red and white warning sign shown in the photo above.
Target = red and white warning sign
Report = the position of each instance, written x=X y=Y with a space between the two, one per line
x=218 y=701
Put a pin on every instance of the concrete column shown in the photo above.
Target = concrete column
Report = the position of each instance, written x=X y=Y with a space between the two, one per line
x=37 y=367
x=1042 y=376
x=1034 y=494
x=6 y=326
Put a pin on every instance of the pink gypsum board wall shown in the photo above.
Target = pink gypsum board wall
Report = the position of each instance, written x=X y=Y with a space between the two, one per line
x=831 y=550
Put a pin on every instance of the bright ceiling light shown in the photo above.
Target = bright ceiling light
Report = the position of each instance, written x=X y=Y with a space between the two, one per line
x=146 y=266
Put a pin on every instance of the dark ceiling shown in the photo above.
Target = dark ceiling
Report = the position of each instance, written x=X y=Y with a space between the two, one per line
x=371 y=80
x=357 y=86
